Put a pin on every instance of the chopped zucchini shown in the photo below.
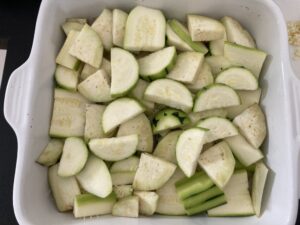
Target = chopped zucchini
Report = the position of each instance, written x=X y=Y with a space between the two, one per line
x=238 y=78
x=147 y=202
x=218 y=128
x=203 y=28
x=237 y=196
x=95 y=177
x=123 y=191
x=141 y=126
x=124 y=72
x=188 y=149
x=157 y=64
x=170 y=93
x=115 y=148
x=168 y=201
x=126 y=165
x=152 y=173
x=250 y=58
x=243 y=151
x=74 y=157
x=119 y=19
x=166 y=147
x=180 y=30
x=218 y=162
x=140 y=21
x=64 y=189
x=203 y=78
x=248 y=98
x=51 y=153
x=96 y=87
x=87 y=47
x=186 y=67
x=236 y=33
x=114 y=114
x=103 y=25
x=64 y=58
x=127 y=207
x=214 y=97
x=90 y=205
x=252 y=125
x=68 y=117
x=168 y=119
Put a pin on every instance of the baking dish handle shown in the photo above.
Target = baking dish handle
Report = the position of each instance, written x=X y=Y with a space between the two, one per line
x=14 y=111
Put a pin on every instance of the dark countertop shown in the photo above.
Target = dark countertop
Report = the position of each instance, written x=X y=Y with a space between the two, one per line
x=17 y=22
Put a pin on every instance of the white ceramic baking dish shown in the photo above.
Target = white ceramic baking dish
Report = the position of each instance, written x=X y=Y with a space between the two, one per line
x=28 y=106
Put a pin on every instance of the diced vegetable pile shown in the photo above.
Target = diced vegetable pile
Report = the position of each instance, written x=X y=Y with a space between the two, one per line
x=153 y=116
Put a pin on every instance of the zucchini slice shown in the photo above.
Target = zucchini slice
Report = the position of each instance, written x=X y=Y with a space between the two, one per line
x=103 y=25
x=126 y=165
x=188 y=149
x=156 y=64
x=203 y=78
x=169 y=202
x=90 y=205
x=118 y=27
x=147 y=202
x=166 y=147
x=93 y=122
x=174 y=40
x=138 y=93
x=237 y=196
x=66 y=78
x=252 y=125
x=238 y=78
x=214 y=97
x=216 y=47
x=51 y=153
x=122 y=178
x=114 y=149
x=218 y=162
x=168 y=119
x=71 y=25
x=87 y=47
x=63 y=199
x=127 y=207
x=236 y=33
x=96 y=87
x=248 y=98
x=68 y=117
x=114 y=114
x=195 y=117
x=123 y=191
x=186 y=67
x=88 y=70
x=217 y=63
x=140 y=21
x=152 y=173
x=203 y=28
x=250 y=58
x=181 y=31
x=64 y=58
x=170 y=93
x=258 y=185
x=74 y=157
x=141 y=126
x=218 y=128
x=124 y=72
x=243 y=151
x=95 y=177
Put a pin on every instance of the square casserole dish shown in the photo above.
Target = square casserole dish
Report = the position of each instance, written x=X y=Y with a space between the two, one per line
x=29 y=96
